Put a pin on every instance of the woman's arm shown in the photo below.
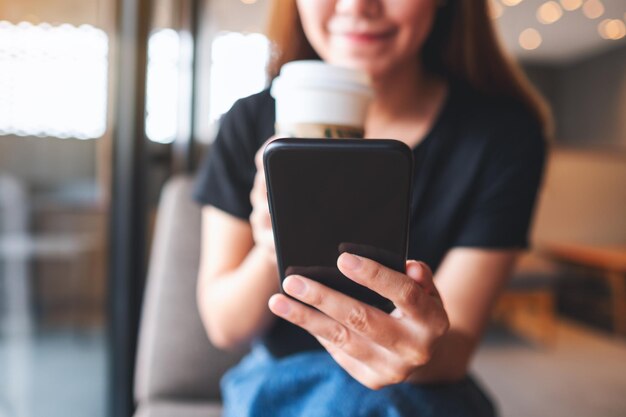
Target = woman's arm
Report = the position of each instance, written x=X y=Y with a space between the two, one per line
x=238 y=270
x=235 y=280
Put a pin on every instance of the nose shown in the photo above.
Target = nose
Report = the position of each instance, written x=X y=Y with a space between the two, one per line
x=365 y=8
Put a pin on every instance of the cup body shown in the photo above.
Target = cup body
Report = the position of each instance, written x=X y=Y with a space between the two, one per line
x=315 y=99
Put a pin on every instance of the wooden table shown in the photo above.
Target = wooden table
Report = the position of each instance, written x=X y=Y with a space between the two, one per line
x=609 y=260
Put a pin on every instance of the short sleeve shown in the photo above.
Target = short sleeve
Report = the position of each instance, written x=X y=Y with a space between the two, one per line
x=226 y=176
x=500 y=211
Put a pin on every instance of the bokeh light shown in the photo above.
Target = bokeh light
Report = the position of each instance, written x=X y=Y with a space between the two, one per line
x=612 y=29
x=549 y=12
x=570 y=5
x=593 y=9
x=530 y=39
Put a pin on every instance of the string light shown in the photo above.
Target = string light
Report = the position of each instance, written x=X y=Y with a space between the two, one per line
x=549 y=12
x=530 y=39
x=593 y=9
x=613 y=29
x=570 y=5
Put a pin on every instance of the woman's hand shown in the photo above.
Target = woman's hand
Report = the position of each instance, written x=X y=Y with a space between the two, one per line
x=376 y=348
x=260 y=219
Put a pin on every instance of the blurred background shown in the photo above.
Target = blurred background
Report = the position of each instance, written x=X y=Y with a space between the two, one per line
x=103 y=101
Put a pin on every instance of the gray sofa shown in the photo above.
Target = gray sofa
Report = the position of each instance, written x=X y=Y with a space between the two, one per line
x=178 y=370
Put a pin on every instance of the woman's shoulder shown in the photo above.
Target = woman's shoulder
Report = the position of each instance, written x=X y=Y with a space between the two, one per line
x=494 y=111
x=250 y=119
x=496 y=121
x=258 y=106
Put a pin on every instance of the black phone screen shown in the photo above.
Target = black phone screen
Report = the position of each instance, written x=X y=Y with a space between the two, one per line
x=329 y=196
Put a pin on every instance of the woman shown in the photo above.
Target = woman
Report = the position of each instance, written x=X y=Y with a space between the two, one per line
x=443 y=86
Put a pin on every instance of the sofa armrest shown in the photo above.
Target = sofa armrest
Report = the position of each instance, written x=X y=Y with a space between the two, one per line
x=175 y=360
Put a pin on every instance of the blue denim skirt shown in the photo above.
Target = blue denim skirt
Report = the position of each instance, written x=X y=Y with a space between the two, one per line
x=312 y=384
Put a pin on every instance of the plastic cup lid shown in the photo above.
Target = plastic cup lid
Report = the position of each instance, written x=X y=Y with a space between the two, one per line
x=320 y=75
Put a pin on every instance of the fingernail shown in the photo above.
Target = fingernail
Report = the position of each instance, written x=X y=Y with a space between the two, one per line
x=281 y=307
x=349 y=261
x=294 y=285
x=413 y=271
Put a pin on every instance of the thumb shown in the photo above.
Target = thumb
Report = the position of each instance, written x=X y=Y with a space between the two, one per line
x=421 y=273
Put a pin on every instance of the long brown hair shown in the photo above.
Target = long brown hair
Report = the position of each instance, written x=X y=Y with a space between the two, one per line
x=462 y=45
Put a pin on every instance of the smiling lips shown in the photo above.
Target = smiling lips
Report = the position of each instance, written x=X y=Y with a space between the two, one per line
x=368 y=37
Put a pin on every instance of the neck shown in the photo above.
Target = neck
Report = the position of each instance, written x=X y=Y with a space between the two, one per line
x=408 y=91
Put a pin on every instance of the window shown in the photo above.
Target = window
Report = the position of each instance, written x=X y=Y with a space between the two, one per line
x=238 y=63
x=162 y=89
x=53 y=80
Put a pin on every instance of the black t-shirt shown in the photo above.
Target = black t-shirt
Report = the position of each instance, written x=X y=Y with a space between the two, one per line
x=476 y=178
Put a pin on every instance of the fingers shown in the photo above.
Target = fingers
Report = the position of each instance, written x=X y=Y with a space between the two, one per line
x=356 y=316
x=403 y=290
x=261 y=223
x=346 y=346
x=259 y=189
x=319 y=325
x=258 y=195
x=421 y=273
x=377 y=349
x=258 y=157
x=355 y=368
x=260 y=218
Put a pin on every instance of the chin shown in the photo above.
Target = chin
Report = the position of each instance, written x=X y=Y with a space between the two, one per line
x=372 y=67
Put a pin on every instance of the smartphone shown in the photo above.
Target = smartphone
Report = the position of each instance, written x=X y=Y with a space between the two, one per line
x=329 y=196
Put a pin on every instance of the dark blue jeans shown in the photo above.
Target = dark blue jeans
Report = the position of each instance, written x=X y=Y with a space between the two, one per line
x=311 y=384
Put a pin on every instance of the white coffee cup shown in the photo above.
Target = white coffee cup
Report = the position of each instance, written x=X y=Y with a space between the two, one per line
x=315 y=99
